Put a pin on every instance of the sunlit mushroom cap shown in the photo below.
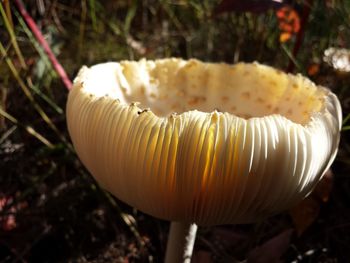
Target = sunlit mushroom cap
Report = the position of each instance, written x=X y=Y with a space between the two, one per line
x=247 y=141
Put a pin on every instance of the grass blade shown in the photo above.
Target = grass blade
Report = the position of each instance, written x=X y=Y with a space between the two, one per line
x=40 y=38
x=12 y=37
x=29 y=129
x=27 y=91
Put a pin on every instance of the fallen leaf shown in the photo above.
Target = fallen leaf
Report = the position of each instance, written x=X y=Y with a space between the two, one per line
x=272 y=250
x=306 y=212
x=201 y=257
x=324 y=187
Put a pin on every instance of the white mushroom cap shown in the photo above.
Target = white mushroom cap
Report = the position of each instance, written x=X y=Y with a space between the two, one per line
x=247 y=140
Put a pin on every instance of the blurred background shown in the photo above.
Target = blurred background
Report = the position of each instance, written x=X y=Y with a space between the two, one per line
x=52 y=210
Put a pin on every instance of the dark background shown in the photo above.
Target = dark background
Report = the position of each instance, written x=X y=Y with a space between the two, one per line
x=52 y=210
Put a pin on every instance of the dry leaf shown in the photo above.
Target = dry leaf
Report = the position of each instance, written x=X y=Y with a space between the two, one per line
x=307 y=211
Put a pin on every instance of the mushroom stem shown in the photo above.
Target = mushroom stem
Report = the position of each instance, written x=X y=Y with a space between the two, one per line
x=180 y=242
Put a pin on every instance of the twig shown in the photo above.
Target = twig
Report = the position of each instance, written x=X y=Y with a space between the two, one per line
x=40 y=38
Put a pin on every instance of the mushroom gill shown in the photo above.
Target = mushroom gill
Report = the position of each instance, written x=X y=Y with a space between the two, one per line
x=245 y=142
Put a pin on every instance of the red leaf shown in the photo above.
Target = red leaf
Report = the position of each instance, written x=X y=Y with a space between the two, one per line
x=289 y=19
x=288 y=22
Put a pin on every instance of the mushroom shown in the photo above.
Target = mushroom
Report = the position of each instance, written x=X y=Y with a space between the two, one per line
x=338 y=59
x=202 y=143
